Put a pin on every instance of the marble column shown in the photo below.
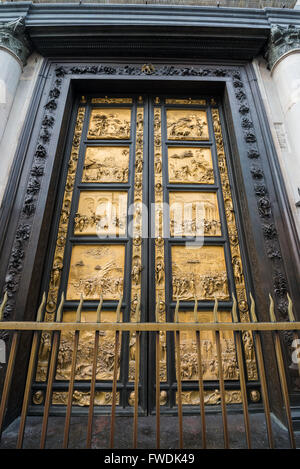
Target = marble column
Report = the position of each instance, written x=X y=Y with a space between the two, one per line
x=14 y=51
x=283 y=56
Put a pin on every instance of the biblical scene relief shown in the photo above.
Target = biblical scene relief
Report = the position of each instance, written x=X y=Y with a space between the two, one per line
x=82 y=399
x=190 y=165
x=194 y=214
x=109 y=123
x=199 y=272
x=101 y=213
x=94 y=270
x=188 y=349
x=210 y=397
x=105 y=359
x=187 y=124
x=106 y=164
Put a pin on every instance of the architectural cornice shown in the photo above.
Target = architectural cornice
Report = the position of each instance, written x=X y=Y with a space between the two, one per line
x=14 y=40
x=283 y=40
x=110 y=30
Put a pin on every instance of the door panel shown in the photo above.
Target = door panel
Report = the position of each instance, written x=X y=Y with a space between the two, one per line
x=145 y=218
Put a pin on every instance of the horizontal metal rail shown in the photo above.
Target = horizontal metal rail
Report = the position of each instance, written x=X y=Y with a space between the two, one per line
x=236 y=327
x=149 y=326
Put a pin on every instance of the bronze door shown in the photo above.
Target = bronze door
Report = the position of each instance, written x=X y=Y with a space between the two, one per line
x=145 y=218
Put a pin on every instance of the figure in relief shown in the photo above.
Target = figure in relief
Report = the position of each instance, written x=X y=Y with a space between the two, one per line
x=106 y=164
x=94 y=270
x=187 y=125
x=109 y=123
x=190 y=165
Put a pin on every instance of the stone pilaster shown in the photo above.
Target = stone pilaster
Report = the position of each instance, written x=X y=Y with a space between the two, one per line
x=14 y=51
x=283 y=56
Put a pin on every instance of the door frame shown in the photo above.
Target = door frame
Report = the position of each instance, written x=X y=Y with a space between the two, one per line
x=26 y=237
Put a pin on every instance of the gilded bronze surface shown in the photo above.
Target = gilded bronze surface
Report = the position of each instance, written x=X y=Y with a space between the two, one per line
x=96 y=269
x=107 y=100
x=188 y=349
x=200 y=102
x=187 y=124
x=106 y=164
x=105 y=359
x=194 y=214
x=136 y=266
x=82 y=399
x=57 y=266
x=101 y=213
x=109 y=123
x=159 y=241
x=234 y=248
x=199 y=272
x=190 y=165
x=210 y=397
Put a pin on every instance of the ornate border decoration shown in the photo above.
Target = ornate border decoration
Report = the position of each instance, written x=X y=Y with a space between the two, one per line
x=136 y=266
x=58 y=259
x=159 y=239
x=236 y=260
x=34 y=183
x=17 y=256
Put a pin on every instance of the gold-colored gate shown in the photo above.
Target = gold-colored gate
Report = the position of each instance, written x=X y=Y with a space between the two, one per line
x=146 y=225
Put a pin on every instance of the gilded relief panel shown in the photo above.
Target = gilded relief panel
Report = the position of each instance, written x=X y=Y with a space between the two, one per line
x=188 y=349
x=194 y=214
x=199 y=272
x=57 y=267
x=106 y=164
x=109 y=123
x=190 y=165
x=82 y=399
x=96 y=269
x=210 y=397
x=136 y=268
x=101 y=213
x=187 y=124
x=236 y=260
x=85 y=352
x=159 y=240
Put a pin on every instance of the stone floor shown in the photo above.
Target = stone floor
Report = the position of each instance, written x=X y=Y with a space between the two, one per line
x=146 y=429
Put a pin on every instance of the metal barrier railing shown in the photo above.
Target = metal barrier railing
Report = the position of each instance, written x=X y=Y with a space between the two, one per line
x=56 y=328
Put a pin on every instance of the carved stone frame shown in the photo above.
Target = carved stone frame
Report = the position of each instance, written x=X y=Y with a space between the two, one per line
x=259 y=193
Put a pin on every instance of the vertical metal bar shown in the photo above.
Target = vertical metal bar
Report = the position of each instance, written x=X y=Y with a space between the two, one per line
x=238 y=341
x=221 y=379
x=136 y=389
x=136 y=378
x=157 y=377
x=262 y=374
x=56 y=336
x=115 y=376
x=9 y=369
x=292 y=319
x=178 y=372
x=282 y=377
x=72 y=377
x=200 y=379
x=93 y=379
x=32 y=360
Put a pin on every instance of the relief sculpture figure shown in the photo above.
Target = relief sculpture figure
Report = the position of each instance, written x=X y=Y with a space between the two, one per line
x=190 y=165
x=109 y=123
x=186 y=125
